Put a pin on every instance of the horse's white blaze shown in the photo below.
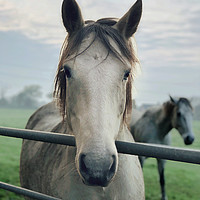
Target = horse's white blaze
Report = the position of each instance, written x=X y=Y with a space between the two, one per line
x=96 y=100
x=182 y=120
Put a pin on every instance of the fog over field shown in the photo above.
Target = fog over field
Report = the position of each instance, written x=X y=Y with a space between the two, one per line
x=31 y=35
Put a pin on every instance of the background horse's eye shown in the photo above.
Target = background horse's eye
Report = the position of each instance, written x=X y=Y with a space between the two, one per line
x=178 y=114
x=67 y=71
x=126 y=75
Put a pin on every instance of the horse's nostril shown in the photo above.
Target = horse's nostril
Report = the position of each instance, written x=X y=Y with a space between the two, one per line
x=82 y=165
x=112 y=168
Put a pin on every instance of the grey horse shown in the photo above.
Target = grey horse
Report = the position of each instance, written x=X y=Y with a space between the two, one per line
x=154 y=125
x=93 y=90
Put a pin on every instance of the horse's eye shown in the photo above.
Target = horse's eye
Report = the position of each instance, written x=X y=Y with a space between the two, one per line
x=67 y=71
x=126 y=75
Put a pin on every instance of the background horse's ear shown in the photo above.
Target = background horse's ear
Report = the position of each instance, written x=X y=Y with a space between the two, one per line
x=128 y=24
x=172 y=100
x=71 y=16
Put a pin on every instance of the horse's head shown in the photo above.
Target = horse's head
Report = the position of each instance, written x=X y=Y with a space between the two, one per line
x=93 y=86
x=182 y=119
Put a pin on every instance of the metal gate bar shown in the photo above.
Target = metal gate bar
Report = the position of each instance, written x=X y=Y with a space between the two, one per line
x=140 y=149
x=26 y=192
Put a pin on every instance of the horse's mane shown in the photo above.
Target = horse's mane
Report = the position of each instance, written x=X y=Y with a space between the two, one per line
x=168 y=107
x=104 y=31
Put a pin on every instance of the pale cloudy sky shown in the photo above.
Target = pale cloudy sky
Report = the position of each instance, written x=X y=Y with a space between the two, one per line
x=31 y=34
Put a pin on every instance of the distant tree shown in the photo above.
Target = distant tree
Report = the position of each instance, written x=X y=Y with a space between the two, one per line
x=3 y=101
x=49 y=96
x=197 y=112
x=27 y=98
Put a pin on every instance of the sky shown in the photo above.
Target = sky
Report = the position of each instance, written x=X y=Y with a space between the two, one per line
x=31 y=35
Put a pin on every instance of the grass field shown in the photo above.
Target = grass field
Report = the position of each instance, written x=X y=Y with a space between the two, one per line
x=182 y=180
x=10 y=149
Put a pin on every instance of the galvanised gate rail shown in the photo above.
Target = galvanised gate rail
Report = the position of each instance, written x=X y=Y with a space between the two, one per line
x=25 y=192
x=140 y=149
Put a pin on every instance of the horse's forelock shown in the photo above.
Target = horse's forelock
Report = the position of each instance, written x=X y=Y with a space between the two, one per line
x=103 y=30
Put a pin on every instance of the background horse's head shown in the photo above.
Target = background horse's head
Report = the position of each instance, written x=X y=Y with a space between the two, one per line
x=182 y=119
x=93 y=86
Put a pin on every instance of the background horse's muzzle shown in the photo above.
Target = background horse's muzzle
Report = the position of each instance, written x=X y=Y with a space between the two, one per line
x=189 y=140
x=97 y=172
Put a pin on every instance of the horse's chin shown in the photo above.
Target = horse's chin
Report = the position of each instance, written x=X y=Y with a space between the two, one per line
x=188 y=143
x=96 y=183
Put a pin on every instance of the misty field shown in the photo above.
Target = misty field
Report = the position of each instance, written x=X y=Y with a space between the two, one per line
x=182 y=180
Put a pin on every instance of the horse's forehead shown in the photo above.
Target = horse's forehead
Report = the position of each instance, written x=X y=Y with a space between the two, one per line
x=184 y=107
x=88 y=39
x=96 y=50
x=96 y=46
x=93 y=54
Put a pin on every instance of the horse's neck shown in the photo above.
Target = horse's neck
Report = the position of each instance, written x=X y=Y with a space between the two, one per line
x=164 y=119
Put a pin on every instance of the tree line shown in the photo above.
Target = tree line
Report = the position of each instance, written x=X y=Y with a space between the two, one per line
x=28 y=97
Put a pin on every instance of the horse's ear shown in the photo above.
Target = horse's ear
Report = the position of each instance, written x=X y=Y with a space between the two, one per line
x=71 y=16
x=172 y=99
x=128 y=24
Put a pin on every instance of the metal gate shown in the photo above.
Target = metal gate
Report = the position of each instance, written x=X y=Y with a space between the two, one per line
x=140 y=149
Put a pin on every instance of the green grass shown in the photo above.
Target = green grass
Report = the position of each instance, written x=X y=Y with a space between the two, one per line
x=182 y=180
x=14 y=118
x=10 y=149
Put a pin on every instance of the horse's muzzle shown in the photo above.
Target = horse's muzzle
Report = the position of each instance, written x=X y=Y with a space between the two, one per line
x=189 y=140
x=97 y=173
